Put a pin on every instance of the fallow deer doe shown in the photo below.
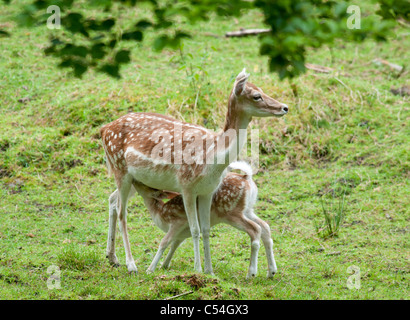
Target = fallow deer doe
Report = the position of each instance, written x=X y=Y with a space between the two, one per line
x=233 y=204
x=189 y=159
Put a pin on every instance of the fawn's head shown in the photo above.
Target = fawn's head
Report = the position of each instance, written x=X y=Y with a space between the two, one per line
x=148 y=192
x=253 y=101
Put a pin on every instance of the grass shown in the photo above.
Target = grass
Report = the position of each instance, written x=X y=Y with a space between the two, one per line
x=344 y=139
x=333 y=215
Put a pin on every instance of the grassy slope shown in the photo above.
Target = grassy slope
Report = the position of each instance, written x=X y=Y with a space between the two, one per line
x=344 y=129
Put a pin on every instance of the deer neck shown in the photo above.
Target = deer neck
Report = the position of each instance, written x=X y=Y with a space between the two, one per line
x=236 y=124
x=235 y=118
x=154 y=206
x=157 y=211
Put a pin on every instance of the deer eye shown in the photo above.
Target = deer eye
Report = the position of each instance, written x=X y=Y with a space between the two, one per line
x=257 y=97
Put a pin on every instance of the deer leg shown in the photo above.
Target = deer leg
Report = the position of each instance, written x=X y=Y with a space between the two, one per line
x=191 y=212
x=182 y=235
x=113 y=201
x=204 y=208
x=163 y=245
x=254 y=231
x=166 y=240
x=174 y=246
x=125 y=192
x=268 y=244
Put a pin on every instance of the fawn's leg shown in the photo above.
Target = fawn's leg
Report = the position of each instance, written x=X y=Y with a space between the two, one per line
x=162 y=246
x=254 y=231
x=268 y=243
x=174 y=246
x=170 y=237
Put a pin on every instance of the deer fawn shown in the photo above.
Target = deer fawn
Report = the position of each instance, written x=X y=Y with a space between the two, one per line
x=232 y=204
x=166 y=154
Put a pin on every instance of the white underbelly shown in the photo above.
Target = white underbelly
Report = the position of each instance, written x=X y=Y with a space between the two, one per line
x=162 y=180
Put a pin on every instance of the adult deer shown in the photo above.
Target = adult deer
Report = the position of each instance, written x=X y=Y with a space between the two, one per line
x=163 y=153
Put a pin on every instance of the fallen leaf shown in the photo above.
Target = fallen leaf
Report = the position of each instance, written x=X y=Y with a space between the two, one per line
x=24 y=100
x=336 y=253
x=318 y=68
x=403 y=91
x=236 y=290
x=393 y=66
x=195 y=282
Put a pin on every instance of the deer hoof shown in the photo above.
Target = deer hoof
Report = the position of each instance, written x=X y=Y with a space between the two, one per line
x=271 y=274
x=132 y=268
x=113 y=260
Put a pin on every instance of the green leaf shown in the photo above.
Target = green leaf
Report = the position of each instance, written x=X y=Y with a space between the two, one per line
x=50 y=50
x=4 y=33
x=112 y=43
x=74 y=23
x=133 y=35
x=97 y=51
x=79 y=69
x=107 y=24
x=160 y=42
x=73 y=50
x=111 y=69
x=122 y=56
x=25 y=19
x=143 y=24
x=67 y=62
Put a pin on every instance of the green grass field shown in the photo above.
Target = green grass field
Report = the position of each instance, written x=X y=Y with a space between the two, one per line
x=344 y=141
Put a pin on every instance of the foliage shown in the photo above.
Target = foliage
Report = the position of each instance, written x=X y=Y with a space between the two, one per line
x=196 y=72
x=299 y=25
x=95 y=42
x=333 y=217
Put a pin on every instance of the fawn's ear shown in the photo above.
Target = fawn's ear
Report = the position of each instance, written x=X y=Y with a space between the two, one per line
x=159 y=195
x=240 y=82
x=171 y=195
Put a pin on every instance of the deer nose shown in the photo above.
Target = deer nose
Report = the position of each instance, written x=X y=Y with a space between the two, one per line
x=285 y=108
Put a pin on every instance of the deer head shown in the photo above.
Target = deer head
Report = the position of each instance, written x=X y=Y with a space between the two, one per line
x=149 y=193
x=251 y=100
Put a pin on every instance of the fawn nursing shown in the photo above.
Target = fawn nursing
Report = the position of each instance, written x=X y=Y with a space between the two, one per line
x=232 y=204
x=166 y=154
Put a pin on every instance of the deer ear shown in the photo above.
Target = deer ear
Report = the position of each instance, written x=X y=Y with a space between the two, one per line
x=240 y=82
x=166 y=195
x=171 y=195
x=159 y=195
